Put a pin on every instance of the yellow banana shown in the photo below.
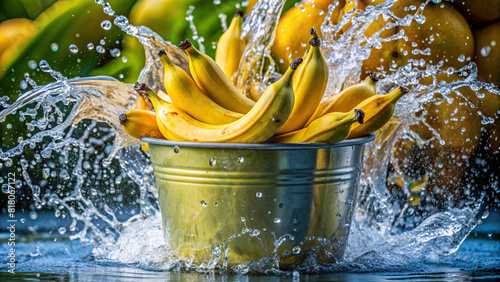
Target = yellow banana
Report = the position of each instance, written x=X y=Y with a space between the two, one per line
x=140 y=123
x=258 y=125
x=309 y=84
x=378 y=111
x=186 y=95
x=330 y=128
x=230 y=47
x=212 y=80
x=347 y=99
x=144 y=90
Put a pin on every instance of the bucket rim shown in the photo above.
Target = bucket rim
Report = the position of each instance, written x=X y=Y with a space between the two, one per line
x=260 y=146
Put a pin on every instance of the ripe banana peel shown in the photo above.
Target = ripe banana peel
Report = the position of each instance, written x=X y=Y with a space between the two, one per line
x=230 y=47
x=309 y=84
x=348 y=98
x=140 y=123
x=258 y=125
x=213 y=82
x=378 y=111
x=186 y=95
x=330 y=128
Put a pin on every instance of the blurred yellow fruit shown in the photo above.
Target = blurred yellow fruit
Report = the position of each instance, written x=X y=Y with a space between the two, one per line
x=292 y=32
x=445 y=33
x=487 y=54
x=479 y=11
x=15 y=31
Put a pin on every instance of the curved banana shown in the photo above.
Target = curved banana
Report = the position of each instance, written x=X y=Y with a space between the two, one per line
x=212 y=80
x=378 y=111
x=258 y=125
x=348 y=98
x=230 y=47
x=330 y=128
x=186 y=95
x=309 y=85
x=140 y=123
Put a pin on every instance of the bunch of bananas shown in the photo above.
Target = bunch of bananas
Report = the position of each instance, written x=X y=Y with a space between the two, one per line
x=205 y=106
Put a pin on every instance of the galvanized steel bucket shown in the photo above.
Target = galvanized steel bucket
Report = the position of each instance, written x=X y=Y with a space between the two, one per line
x=256 y=200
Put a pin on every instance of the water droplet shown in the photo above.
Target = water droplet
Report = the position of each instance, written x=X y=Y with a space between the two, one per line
x=203 y=203
x=115 y=52
x=241 y=159
x=102 y=42
x=295 y=274
x=461 y=58
x=90 y=46
x=485 y=51
x=493 y=43
x=44 y=66
x=32 y=64
x=124 y=59
x=258 y=195
x=277 y=220
x=106 y=25
x=212 y=161
x=100 y=49
x=296 y=250
x=73 y=49
x=62 y=230
x=23 y=84
x=176 y=149
x=54 y=47
x=5 y=188
x=22 y=220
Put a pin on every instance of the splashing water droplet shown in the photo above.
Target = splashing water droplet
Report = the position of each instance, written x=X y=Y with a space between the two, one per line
x=44 y=66
x=62 y=230
x=296 y=250
x=54 y=47
x=106 y=25
x=485 y=51
x=241 y=159
x=277 y=220
x=90 y=46
x=177 y=149
x=115 y=52
x=212 y=161
x=73 y=49
x=203 y=203
x=258 y=195
x=100 y=49
x=124 y=59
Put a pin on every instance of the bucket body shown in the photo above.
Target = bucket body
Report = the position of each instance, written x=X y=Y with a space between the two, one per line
x=249 y=201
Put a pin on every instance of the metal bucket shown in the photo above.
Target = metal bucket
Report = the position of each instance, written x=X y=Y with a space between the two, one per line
x=257 y=200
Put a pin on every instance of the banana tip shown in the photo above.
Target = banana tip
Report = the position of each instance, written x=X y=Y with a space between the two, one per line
x=372 y=76
x=123 y=119
x=359 y=115
x=238 y=13
x=162 y=53
x=140 y=86
x=315 y=41
x=185 y=44
x=295 y=63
